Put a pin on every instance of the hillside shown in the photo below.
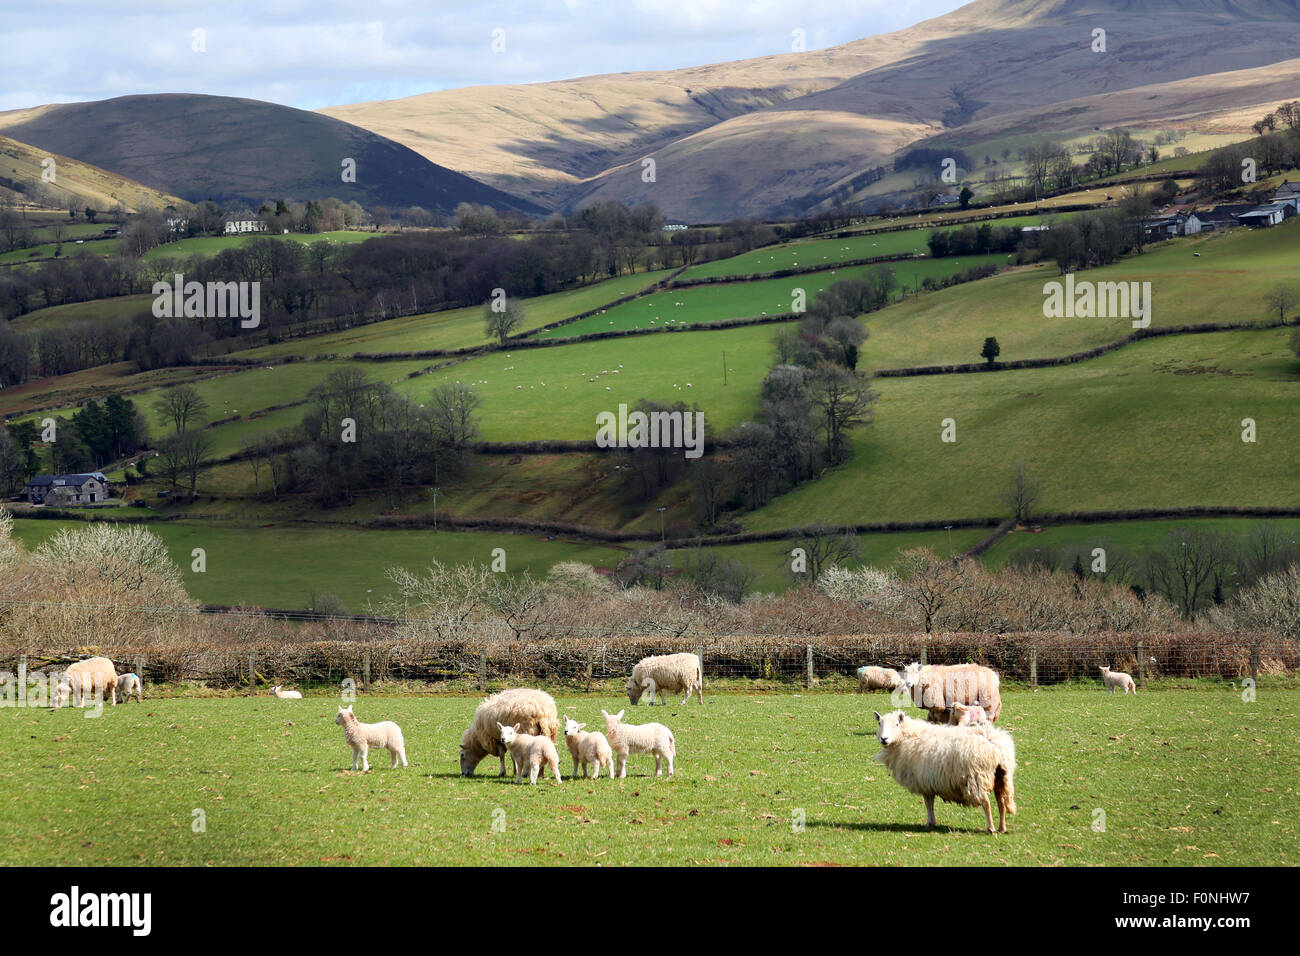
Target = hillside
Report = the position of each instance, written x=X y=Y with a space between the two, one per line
x=220 y=147
x=770 y=136
x=75 y=182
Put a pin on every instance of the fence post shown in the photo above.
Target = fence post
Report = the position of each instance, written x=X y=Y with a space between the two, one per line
x=482 y=669
x=139 y=667
x=365 y=671
x=1142 y=666
x=1254 y=664
x=252 y=670
x=810 y=665
x=21 y=699
x=1033 y=667
x=591 y=663
x=924 y=661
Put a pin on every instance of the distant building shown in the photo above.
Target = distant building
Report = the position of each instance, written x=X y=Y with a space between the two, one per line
x=946 y=199
x=1287 y=192
x=1269 y=215
x=674 y=226
x=67 y=489
x=242 y=221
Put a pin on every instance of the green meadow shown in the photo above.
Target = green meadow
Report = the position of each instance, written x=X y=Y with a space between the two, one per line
x=1176 y=776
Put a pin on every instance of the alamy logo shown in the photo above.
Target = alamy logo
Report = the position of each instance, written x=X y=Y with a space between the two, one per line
x=75 y=908
x=651 y=430
x=1101 y=300
x=208 y=300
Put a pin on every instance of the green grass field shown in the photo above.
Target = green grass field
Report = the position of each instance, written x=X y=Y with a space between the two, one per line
x=211 y=245
x=119 y=307
x=1183 y=776
x=278 y=566
x=733 y=300
x=1128 y=536
x=1157 y=424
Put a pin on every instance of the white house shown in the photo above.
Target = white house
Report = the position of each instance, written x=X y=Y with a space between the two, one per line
x=67 y=489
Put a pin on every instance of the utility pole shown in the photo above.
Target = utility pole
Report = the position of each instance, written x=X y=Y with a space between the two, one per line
x=436 y=492
x=661 y=524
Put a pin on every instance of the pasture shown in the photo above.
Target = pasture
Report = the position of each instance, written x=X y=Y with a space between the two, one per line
x=1184 y=774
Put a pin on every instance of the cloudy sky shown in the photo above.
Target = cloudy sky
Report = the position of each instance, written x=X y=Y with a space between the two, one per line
x=313 y=53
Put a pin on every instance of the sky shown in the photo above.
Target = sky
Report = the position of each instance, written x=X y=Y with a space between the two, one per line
x=315 y=53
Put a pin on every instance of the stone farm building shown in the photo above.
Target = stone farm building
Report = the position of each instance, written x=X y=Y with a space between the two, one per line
x=67 y=489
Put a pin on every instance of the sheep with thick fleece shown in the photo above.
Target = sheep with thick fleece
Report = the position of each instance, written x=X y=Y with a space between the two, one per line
x=127 y=685
x=1113 y=679
x=530 y=751
x=587 y=748
x=639 y=739
x=665 y=674
x=96 y=674
x=878 y=678
x=279 y=692
x=533 y=710
x=384 y=735
x=957 y=764
x=936 y=687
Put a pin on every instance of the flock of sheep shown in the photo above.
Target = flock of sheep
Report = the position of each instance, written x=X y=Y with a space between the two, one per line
x=956 y=754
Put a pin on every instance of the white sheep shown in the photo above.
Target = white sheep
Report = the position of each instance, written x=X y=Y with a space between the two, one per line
x=384 y=735
x=530 y=751
x=533 y=710
x=957 y=764
x=95 y=674
x=639 y=739
x=965 y=715
x=937 y=687
x=1113 y=679
x=285 y=694
x=587 y=748
x=878 y=678
x=127 y=685
x=666 y=674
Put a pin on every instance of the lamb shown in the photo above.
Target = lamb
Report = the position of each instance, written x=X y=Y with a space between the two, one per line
x=639 y=739
x=937 y=687
x=671 y=673
x=533 y=710
x=878 y=678
x=127 y=685
x=384 y=735
x=285 y=694
x=957 y=764
x=530 y=751
x=588 y=748
x=94 y=673
x=1113 y=679
x=965 y=715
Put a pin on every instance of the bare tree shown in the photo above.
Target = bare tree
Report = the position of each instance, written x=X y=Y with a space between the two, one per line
x=1281 y=299
x=502 y=322
x=1022 y=492
x=824 y=547
x=928 y=584
x=183 y=406
x=844 y=401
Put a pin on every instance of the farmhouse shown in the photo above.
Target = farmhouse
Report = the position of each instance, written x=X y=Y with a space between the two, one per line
x=1269 y=215
x=242 y=221
x=1287 y=192
x=67 y=489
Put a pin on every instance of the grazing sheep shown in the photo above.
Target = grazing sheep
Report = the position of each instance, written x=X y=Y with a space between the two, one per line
x=639 y=739
x=127 y=685
x=95 y=674
x=530 y=751
x=533 y=710
x=666 y=674
x=878 y=678
x=936 y=688
x=1113 y=679
x=587 y=748
x=285 y=694
x=384 y=735
x=965 y=715
x=957 y=764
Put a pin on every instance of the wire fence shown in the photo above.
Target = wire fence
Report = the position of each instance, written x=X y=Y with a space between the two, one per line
x=579 y=662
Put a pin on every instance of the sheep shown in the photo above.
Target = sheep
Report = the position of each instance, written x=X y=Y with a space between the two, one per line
x=94 y=673
x=1113 y=679
x=588 y=748
x=670 y=673
x=384 y=735
x=639 y=739
x=285 y=694
x=530 y=751
x=937 y=687
x=533 y=710
x=127 y=685
x=878 y=678
x=965 y=715
x=957 y=764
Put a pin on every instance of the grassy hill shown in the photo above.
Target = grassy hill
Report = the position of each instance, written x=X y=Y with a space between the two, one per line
x=76 y=181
